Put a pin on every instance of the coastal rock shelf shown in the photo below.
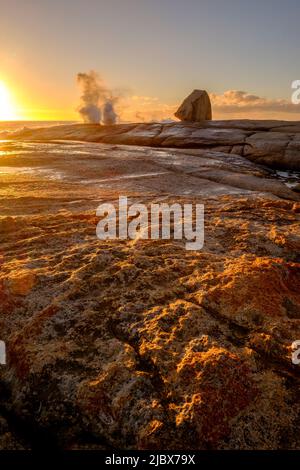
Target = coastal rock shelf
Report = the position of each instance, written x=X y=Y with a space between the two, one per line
x=124 y=344
x=272 y=143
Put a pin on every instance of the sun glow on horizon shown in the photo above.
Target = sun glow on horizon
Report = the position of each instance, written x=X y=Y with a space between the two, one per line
x=7 y=112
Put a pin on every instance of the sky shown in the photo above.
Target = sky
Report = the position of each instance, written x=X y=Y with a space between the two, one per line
x=152 y=54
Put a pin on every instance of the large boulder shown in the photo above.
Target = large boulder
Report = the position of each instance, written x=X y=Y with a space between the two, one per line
x=196 y=107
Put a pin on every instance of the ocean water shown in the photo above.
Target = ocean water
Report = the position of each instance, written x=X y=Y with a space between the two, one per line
x=19 y=125
x=288 y=177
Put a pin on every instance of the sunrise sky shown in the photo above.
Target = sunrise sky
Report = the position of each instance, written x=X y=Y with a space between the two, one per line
x=151 y=53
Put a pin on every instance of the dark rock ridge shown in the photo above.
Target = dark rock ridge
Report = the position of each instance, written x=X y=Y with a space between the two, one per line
x=272 y=143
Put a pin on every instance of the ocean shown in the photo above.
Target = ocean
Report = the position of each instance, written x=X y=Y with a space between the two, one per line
x=18 y=125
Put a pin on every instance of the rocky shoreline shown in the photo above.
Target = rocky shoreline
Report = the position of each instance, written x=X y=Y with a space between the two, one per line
x=272 y=143
x=144 y=345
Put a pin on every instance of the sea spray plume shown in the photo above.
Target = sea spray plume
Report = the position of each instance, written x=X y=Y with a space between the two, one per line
x=90 y=113
x=109 y=115
x=92 y=93
x=94 y=96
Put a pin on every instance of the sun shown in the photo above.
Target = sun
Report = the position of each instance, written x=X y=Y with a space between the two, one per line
x=6 y=108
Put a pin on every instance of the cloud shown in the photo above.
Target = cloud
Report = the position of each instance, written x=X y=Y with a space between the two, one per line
x=232 y=104
x=144 y=108
x=237 y=103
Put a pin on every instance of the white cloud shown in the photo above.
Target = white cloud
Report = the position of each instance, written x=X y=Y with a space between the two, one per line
x=241 y=102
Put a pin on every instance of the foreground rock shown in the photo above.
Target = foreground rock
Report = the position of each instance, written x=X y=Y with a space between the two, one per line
x=195 y=108
x=88 y=169
x=148 y=346
x=272 y=143
x=142 y=344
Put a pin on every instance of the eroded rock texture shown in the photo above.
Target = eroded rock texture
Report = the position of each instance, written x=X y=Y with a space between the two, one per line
x=142 y=344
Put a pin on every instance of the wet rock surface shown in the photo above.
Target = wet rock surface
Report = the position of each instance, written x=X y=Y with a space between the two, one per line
x=272 y=143
x=143 y=344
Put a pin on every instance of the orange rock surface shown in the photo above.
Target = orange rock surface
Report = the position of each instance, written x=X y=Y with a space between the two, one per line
x=145 y=345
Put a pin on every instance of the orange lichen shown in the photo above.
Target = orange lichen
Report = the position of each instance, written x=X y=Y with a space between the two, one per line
x=21 y=283
x=221 y=386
